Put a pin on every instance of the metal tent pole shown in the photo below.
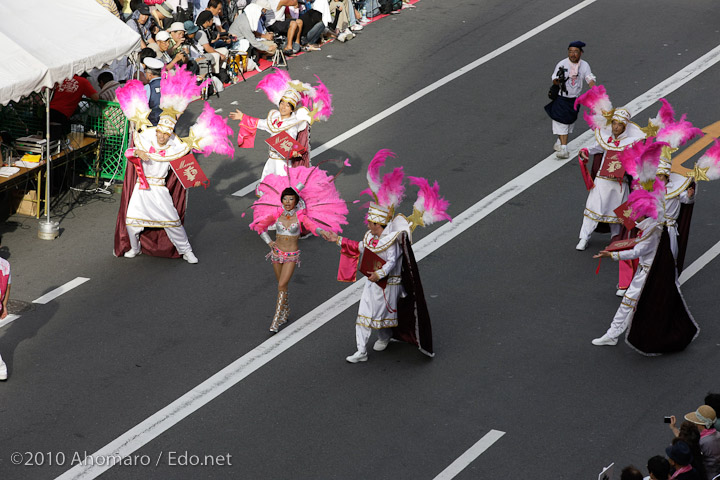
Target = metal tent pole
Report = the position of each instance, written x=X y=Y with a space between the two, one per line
x=47 y=230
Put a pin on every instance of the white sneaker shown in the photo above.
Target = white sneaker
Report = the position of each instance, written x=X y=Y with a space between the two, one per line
x=562 y=153
x=621 y=292
x=342 y=37
x=357 y=357
x=349 y=35
x=381 y=345
x=3 y=370
x=582 y=244
x=131 y=253
x=190 y=257
x=356 y=28
x=605 y=340
x=557 y=145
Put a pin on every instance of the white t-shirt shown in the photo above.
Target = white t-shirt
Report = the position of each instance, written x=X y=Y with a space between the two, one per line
x=279 y=14
x=574 y=83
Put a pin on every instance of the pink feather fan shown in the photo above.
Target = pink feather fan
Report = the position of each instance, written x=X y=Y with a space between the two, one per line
x=642 y=159
x=132 y=99
x=322 y=202
x=677 y=133
x=211 y=131
x=178 y=88
x=597 y=101
x=647 y=204
x=711 y=161
x=322 y=100
x=429 y=202
x=274 y=85
x=665 y=116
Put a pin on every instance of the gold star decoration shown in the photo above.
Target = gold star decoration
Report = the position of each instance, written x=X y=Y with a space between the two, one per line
x=651 y=131
x=171 y=111
x=415 y=220
x=699 y=173
x=141 y=119
x=192 y=141
x=667 y=152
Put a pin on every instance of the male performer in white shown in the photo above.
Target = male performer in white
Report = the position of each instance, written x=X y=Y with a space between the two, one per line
x=562 y=109
x=609 y=192
x=153 y=207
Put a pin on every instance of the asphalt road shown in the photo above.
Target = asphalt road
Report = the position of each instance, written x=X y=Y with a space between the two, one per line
x=513 y=305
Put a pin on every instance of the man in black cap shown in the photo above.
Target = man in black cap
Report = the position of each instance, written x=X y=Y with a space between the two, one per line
x=139 y=22
x=568 y=75
x=679 y=457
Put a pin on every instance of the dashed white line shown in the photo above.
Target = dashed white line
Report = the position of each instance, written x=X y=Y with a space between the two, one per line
x=52 y=295
x=470 y=455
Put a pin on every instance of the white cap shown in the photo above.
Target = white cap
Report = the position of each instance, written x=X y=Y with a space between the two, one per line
x=176 y=27
x=162 y=36
x=153 y=63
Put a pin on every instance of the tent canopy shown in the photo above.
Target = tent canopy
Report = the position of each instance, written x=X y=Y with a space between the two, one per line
x=45 y=42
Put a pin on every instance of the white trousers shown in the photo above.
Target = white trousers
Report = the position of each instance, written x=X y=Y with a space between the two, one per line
x=3 y=367
x=589 y=225
x=625 y=312
x=177 y=236
x=362 y=336
x=673 y=234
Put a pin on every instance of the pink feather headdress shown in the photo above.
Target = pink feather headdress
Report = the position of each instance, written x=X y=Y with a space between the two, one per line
x=210 y=133
x=321 y=202
x=710 y=161
x=390 y=190
x=134 y=102
x=598 y=102
x=275 y=84
x=642 y=159
x=647 y=203
x=678 y=133
x=319 y=101
x=429 y=203
x=177 y=89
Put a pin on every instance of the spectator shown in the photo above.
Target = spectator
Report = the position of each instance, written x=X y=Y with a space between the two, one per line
x=5 y=280
x=217 y=56
x=139 y=23
x=690 y=435
x=177 y=37
x=680 y=459
x=658 y=468
x=111 y=6
x=162 y=15
x=631 y=473
x=153 y=66
x=312 y=30
x=247 y=26
x=163 y=42
x=284 y=26
x=215 y=7
x=66 y=98
x=346 y=19
x=108 y=85
x=703 y=419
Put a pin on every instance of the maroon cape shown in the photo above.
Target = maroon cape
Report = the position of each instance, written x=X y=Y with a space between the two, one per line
x=413 y=316
x=662 y=322
x=153 y=241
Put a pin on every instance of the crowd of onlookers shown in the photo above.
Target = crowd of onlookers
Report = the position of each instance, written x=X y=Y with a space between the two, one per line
x=217 y=38
x=693 y=454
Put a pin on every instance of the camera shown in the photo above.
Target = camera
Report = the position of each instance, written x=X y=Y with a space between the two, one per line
x=562 y=79
x=667 y=419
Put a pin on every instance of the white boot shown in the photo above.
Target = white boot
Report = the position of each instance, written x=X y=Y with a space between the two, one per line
x=605 y=340
x=190 y=257
x=357 y=357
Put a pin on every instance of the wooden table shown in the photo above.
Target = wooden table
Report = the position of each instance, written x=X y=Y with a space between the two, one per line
x=86 y=146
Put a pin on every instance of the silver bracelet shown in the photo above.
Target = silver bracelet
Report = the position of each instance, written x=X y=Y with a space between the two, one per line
x=338 y=242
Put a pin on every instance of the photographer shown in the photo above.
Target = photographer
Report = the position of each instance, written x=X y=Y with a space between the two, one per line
x=567 y=78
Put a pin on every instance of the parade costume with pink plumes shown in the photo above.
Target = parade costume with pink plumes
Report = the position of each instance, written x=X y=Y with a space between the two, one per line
x=398 y=309
x=152 y=209
x=318 y=208
x=309 y=105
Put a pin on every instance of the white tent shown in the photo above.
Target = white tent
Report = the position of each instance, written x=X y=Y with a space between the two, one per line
x=47 y=41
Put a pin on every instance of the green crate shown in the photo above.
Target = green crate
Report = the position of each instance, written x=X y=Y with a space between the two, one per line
x=106 y=121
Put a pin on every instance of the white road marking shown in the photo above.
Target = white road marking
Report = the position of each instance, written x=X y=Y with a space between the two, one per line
x=161 y=421
x=698 y=264
x=50 y=296
x=470 y=455
x=432 y=87
x=9 y=319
